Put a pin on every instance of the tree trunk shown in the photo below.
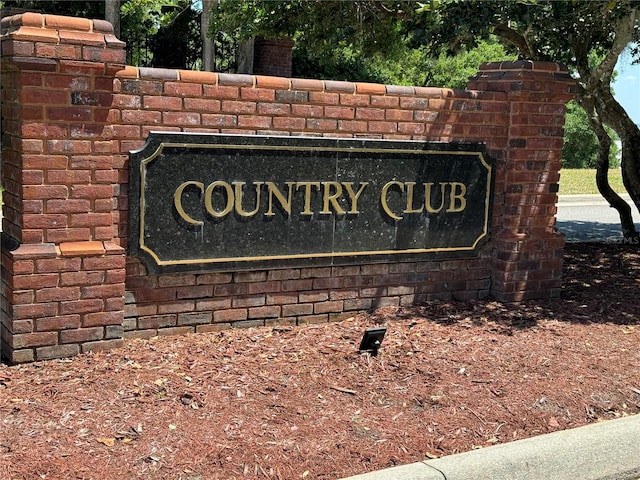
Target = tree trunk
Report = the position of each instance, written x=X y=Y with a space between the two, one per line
x=602 y=168
x=208 y=47
x=112 y=15
x=612 y=113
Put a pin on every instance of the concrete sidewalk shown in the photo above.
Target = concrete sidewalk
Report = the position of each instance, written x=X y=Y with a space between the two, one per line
x=603 y=451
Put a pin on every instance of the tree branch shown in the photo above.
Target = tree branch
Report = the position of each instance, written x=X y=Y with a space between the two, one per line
x=624 y=34
x=520 y=42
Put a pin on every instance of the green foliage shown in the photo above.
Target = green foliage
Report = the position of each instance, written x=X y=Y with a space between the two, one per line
x=167 y=32
x=364 y=27
x=59 y=7
x=411 y=66
x=455 y=71
x=145 y=17
x=580 y=148
x=177 y=42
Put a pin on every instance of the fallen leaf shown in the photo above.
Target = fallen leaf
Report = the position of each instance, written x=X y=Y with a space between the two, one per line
x=109 y=442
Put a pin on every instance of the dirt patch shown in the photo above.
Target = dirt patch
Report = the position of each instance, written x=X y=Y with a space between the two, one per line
x=301 y=402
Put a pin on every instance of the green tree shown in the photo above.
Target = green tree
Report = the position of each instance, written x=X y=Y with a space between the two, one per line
x=588 y=37
x=70 y=8
x=580 y=149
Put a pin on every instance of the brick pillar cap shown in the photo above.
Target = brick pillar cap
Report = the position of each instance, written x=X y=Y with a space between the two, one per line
x=524 y=65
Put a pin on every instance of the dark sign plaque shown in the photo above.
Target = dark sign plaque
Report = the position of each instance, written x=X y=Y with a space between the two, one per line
x=220 y=202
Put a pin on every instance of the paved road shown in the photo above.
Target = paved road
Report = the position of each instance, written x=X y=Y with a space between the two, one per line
x=589 y=218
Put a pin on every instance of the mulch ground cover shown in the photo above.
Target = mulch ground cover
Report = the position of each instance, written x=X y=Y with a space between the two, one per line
x=302 y=402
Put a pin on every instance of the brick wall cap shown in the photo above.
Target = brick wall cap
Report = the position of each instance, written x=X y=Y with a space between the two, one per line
x=100 y=25
x=524 y=65
x=401 y=90
x=307 y=84
x=28 y=33
x=30 y=19
x=76 y=249
x=112 y=248
x=263 y=81
x=158 y=73
x=236 y=80
x=339 y=86
x=40 y=250
x=60 y=22
x=371 y=88
x=113 y=42
x=77 y=37
x=128 y=72
x=194 y=76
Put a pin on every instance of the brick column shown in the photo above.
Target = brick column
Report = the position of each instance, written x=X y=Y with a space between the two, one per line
x=62 y=267
x=272 y=57
x=527 y=248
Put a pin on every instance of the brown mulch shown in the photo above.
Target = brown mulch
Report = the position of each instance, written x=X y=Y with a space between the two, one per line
x=301 y=402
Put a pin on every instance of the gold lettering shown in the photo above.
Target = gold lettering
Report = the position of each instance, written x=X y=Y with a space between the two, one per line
x=354 y=196
x=383 y=199
x=238 y=198
x=177 y=202
x=427 y=197
x=208 y=202
x=329 y=198
x=457 y=196
x=307 y=195
x=410 y=208
x=284 y=203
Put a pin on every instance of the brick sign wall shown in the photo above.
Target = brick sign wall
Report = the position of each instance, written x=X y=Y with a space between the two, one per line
x=72 y=112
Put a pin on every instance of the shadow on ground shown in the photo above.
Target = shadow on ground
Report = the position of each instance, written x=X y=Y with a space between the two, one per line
x=581 y=231
x=601 y=282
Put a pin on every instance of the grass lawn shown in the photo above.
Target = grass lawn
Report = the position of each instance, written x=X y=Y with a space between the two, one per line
x=583 y=181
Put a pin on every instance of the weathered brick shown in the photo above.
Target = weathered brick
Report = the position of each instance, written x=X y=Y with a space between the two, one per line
x=230 y=315
x=326 y=307
x=57 y=351
x=113 y=331
x=249 y=301
x=213 y=304
x=21 y=356
x=247 y=324
x=81 y=335
x=282 y=298
x=307 y=297
x=157 y=321
x=37 y=339
x=102 y=318
x=269 y=311
x=176 y=307
x=195 y=318
x=59 y=322
x=200 y=291
x=297 y=309
x=81 y=278
x=58 y=294
x=102 y=345
x=33 y=311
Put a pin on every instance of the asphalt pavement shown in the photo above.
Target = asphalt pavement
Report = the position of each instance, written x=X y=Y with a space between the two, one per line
x=589 y=218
